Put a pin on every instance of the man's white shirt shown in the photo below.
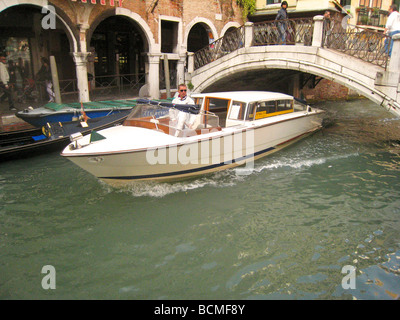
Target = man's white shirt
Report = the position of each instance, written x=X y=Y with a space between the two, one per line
x=185 y=100
x=393 y=22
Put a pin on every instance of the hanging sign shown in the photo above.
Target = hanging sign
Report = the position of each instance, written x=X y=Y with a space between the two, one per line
x=102 y=2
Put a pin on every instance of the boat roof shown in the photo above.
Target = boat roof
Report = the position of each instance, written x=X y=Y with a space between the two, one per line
x=244 y=96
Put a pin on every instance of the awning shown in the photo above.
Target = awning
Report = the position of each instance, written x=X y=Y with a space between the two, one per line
x=102 y=2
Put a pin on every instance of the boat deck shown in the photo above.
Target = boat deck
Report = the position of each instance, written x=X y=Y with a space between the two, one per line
x=164 y=125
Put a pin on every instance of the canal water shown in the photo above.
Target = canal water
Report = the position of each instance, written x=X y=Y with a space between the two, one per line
x=318 y=220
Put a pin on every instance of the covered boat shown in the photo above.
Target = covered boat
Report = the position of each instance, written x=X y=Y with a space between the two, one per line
x=64 y=112
x=165 y=142
x=52 y=136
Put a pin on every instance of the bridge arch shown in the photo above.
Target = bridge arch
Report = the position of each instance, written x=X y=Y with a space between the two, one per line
x=335 y=66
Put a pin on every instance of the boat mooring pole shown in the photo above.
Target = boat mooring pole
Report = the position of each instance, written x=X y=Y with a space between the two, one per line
x=54 y=77
x=166 y=75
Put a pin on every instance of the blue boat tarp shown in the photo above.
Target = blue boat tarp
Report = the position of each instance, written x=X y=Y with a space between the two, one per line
x=92 y=105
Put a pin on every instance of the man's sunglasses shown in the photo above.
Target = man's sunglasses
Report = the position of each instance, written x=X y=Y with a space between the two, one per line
x=182 y=90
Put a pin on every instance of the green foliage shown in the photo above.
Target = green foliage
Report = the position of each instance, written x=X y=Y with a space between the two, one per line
x=248 y=7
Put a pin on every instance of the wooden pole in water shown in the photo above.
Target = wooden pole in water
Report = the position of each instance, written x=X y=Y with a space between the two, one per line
x=54 y=77
x=166 y=75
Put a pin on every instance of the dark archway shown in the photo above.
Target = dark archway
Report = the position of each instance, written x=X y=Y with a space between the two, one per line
x=119 y=46
x=231 y=29
x=25 y=41
x=277 y=80
x=199 y=37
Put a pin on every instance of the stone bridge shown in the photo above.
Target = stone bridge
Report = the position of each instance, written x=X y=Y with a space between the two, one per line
x=363 y=65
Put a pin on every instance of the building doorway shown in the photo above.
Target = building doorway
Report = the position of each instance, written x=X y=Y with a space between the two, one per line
x=25 y=42
x=200 y=36
x=119 y=61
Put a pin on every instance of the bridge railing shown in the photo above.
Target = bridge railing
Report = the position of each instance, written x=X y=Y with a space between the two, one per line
x=296 y=31
x=230 y=42
x=368 y=45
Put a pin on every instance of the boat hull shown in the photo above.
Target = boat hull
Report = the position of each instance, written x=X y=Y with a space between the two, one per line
x=229 y=148
x=23 y=145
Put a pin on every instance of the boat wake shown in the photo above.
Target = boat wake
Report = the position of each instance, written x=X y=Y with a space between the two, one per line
x=230 y=177
x=296 y=163
x=162 y=189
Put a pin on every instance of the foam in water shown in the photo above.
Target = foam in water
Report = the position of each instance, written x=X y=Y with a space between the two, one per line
x=299 y=164
x=224 y=178
x=161 y=189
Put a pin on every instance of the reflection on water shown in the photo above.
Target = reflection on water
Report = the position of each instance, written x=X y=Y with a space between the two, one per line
x=285 y=231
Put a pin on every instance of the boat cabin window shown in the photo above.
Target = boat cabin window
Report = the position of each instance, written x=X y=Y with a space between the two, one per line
x=264 y=109
x=219 y=107
x=284 y=105
x=251 y=110
x=237 y=110
x=198 y=101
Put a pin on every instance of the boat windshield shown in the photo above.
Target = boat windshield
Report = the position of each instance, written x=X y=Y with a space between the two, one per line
x=177 y=120
x=148 y=110
x=299 y=105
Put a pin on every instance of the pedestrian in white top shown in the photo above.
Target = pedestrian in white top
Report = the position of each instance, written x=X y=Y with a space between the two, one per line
x=392 y=27
x=4 y=82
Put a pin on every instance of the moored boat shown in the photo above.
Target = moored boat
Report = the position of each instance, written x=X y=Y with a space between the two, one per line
x=169 y=142
x=52 y=136
x=56 y=112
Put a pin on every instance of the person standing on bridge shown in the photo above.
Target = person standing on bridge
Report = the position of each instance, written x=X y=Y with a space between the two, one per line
x=282 y=25
x=392 y=27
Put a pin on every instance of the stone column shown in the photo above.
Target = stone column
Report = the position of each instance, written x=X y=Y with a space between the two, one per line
x=81 y=59
x=82 y=36
x=54 y=78
x=181 y=70
x=190 y=62
x=394 y=64
x=248 y=34
x=153 y=77
x=318 y=31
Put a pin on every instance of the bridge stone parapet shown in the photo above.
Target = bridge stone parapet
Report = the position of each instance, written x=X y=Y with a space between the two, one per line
x=369 y=80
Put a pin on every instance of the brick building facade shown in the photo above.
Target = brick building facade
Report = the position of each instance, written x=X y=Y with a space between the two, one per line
x=113 y=40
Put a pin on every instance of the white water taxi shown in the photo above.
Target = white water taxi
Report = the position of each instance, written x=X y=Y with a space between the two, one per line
x=163 y=142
